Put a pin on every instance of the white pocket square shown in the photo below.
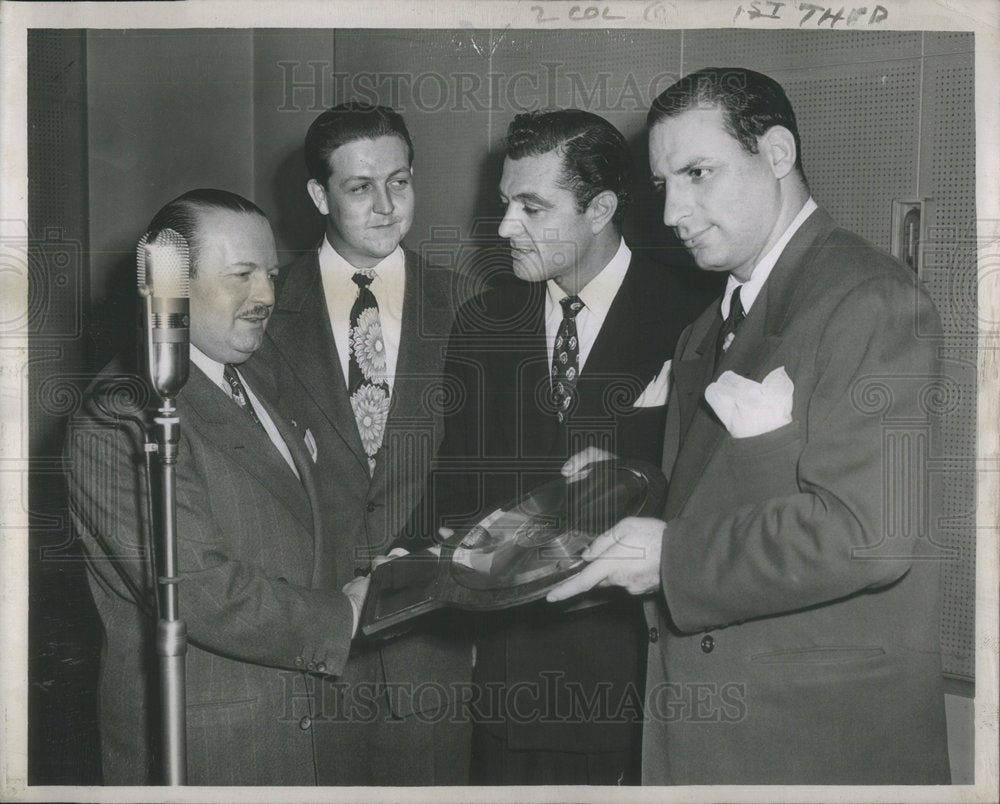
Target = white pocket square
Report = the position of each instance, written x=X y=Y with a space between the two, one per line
x=655 y=394
x=310 y=444
x=749 y=408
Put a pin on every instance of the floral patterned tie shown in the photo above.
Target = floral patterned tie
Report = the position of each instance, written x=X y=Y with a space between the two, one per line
x=367 y=383
x=566 y=358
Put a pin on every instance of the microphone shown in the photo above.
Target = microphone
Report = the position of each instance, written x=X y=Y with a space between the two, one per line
x=163 y=266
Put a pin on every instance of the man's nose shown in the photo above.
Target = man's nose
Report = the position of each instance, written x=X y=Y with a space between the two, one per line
x=262 y=291
x=676 y=206
x=510 y=225
x=383 y=201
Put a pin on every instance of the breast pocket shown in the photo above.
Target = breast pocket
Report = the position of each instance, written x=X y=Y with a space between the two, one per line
x=766 y=443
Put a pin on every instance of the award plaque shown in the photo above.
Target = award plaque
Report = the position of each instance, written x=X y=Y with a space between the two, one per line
x=518 y=552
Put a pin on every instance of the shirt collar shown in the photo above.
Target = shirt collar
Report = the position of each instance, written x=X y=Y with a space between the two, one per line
x=389 y=269
x=750 y=289
x=599 y=292
x=212 y=369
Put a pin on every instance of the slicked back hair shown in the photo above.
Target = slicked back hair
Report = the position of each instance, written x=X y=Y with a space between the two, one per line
x=182 y=215
x=347 y=122
x=751 y=103
x=595 y=155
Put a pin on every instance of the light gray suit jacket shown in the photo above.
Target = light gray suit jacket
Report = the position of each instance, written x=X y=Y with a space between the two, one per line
x=797 y=632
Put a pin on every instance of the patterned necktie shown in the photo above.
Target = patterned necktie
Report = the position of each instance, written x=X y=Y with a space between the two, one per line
x=238 y=392
x=730 y=325
x=566 y=358
x=366 y=369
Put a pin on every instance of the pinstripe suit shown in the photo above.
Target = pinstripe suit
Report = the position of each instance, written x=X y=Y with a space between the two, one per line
x=255 y=590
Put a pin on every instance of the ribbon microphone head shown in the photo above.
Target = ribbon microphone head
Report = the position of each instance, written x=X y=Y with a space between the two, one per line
x=163 y=270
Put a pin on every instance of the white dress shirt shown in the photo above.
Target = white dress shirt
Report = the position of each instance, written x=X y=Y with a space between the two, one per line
x=597 y=296
x=341 y=292
x=215 y=371
x=762 y=270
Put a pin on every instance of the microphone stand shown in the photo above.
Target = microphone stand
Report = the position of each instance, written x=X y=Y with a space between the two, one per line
x=171 y=631
x=167 y=313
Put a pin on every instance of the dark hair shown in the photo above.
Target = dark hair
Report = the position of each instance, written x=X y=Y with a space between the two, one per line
x=595 y=156
x=181 y=215
x=751 y=103
x=346 y=123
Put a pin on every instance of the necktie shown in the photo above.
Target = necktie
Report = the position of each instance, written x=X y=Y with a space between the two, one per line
x=367 y=369
x=239 y=393
x=566 y=358
x=730 y=325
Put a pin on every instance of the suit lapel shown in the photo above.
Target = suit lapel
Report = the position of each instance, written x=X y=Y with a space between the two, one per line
x=303 y=464
x=218 y=420
x=622 y=332
x=418 y=364
x=750 y=352
x=627 y=335
x=692 y=372
x=419 y=353
x=301 y=332
x=700 y=430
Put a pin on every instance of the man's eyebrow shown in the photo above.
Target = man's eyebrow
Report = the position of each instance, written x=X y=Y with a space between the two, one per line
x=533 y=199
x=691 y=163
x=363 y=177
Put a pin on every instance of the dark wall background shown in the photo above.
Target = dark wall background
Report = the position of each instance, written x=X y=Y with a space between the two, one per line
x=122 y=121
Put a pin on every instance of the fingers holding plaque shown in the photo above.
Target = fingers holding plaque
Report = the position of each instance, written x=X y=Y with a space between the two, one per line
x=519 y=551
x=541 y=536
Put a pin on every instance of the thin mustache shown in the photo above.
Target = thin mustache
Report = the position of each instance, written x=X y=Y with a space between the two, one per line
x=260 y=311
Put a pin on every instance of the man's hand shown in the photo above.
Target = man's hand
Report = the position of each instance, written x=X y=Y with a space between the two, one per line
x=356 y=592
x=399 y=552
x=395 y=552
x=627 y=555
x=574 y=468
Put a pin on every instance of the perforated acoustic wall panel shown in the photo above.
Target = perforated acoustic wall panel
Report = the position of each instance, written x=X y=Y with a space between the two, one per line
x=862 y=124
x=947 y=181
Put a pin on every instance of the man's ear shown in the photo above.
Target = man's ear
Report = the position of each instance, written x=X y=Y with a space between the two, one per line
x=601 y=210
x=318 y=195
x=779 y=145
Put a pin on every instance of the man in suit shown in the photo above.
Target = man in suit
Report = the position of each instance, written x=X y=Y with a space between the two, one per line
x=361 y=325
x=794 y=586
x=563 y=356
x=255 y=584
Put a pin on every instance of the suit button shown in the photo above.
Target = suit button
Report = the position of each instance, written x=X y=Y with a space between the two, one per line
x=707 y=643
x=299 y=661
x=370 y=507
x=305 y=723
x=654 y=634
x=321 y=667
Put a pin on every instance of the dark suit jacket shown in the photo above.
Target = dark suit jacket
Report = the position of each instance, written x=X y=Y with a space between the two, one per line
x=800 y=578
x=368 y=510
x=503 y=439
x=250 y=549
